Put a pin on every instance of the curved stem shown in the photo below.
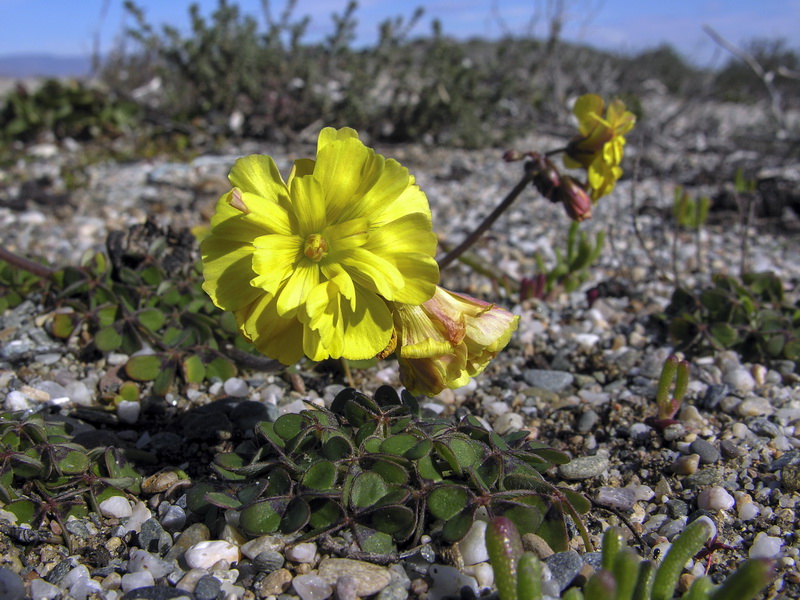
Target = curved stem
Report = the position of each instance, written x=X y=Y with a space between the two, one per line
x=527 y=178
x=26 y=265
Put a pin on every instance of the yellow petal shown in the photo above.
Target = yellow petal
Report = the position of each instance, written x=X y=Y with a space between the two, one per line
x=303 y=279
x=259 y=175
x=347 y=235
x=372 y=272
x=308 y=202
x=278 y=338
x=227 y=266
x=273 y=259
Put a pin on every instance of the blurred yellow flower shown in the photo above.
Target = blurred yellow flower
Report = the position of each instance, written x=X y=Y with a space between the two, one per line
x=307 y=266
x=448 y=339
x=600 y=146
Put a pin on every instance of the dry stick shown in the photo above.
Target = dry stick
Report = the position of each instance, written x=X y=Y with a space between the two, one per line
x=25 y=264
x=766 y=77
x=527 y=178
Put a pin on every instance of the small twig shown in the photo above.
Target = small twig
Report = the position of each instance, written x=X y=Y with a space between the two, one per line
x=526 y=180
x=26 y=265
x=636 y=229
x=766 y=77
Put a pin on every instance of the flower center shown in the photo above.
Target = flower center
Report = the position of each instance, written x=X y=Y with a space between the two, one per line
x=316 y=248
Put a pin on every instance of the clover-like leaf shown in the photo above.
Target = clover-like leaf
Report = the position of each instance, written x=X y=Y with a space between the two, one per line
x=262 y=517
x=221 y=368
x=367 y=489
x=458 y=526
x=151 y=318
x=288 y=426
x=446 y=501
x=194 y=371
x=396 y=520
x=296 y=516
x=373 y=541
x=725 y=335
x=145 y=367
x=321 y=476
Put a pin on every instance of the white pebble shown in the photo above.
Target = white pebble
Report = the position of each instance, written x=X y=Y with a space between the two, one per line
x=473 y=546
x=128 y=412
x=587 y=341
x=133 y=581
x=236 y=387
x=41 y=590
x=484 y=575
x=740 y=379
x=79 y=394
x=203 y=555
x=715 y=498
x=116 y=507
x=765 y=546
x=302 y=553
x=141 y=560
x=139 y=514
x=508 y=422
x=747 y=511
x=311 y=587
x=16 y=400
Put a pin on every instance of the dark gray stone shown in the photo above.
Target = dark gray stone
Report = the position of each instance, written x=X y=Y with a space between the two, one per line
x=564 y=566
x=207 y=588
x=676 y=509
x=157 y=592
x=714 y=394
x=730 y=449
x=11 y=585
x=703 y=477
x=153 y=538
x=268 y=561
x=763 y=427
x=248 y=413
x=705 y=450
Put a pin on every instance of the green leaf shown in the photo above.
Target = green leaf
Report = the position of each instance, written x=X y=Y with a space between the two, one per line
x=367 y=489
x=337 y=447
x=24 y=510
x=108 y=339
x=222 y=500
x=421 y=449
x=446 y=501
x=725 y=335
x=164 y=380
x=262 y=517
x=399 y=444
x=144 y=367
x=151 y=318
x=373 y=542
x=63 y=325
x=324 y=513
x=194 y=371
x=70 y=460
x=288 y=426
x=457 y=527
x=321 y=476
x=221 y=368
x=26 y=466
x=391 y=472
x=296 y=516
x=397 y=521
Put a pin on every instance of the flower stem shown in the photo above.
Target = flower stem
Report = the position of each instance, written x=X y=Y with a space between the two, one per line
x=527 y=178
x=26 y=265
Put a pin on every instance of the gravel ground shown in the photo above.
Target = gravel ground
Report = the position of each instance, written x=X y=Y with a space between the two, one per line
x=581 y=379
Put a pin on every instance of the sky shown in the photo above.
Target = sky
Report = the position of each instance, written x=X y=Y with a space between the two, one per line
x=71 y=27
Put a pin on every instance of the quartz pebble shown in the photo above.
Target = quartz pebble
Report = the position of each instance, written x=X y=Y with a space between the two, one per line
x=371 y=578
x=739 y=379
x=311 y=587
x=11 y=586
x=765 y=546
x=236 y=387
x=715 y=498
x=138 y=579
x=473 y=546
x=302 y=553
x=115 y=507
x=448 y=583
x=204 y=555
x=584 y=467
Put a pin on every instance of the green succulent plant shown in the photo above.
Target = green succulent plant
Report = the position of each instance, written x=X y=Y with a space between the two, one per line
x=669 y=403
x=376 y=467
x=750 y=315
x=688 y=212
x=44 y=473
x=571 y=270
x=624 y=574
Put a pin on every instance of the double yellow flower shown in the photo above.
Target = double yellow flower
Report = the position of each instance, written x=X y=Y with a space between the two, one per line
x=337 y=262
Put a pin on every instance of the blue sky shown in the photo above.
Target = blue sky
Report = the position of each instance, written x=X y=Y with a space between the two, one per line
x=69 y=27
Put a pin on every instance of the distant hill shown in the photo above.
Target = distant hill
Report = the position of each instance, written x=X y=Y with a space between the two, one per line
x=44 y=65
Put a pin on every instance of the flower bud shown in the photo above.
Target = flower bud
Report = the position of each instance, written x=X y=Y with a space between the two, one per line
x=576 y=199
x=547 y=178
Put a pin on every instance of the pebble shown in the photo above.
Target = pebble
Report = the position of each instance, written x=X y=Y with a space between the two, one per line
x=755 y=407
x=261 y=544
x=584 y=467
x=140 y=560
x=564 y=566
x=587 y=421
x=508 y=422
x=275 y=583
x=197 y=532
x=312 y=587
x=139 y=514
x=128 y=411
x=739 y=379
x=302 y=553
x=473 y=545
x=371 y=578
x=765 y=546
x=747 y=511
x=448 y=583
x=706 y=451
x=619 y=498
x=11 y=585
x=715 y=498
x=203 y=555
x=236 y=387
x=268 y=561
x=138 y=579
x=171 y=516
x=347 y=588
x=40 y=589
x=153 y=538
x=115 y=507
x=686 y=465
x=207 y=588
x=552 y=381
x=731 y=450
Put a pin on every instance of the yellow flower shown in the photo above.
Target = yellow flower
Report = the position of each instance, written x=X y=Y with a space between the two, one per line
x=448 y=339
x=600 y=146
x=307 y=266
